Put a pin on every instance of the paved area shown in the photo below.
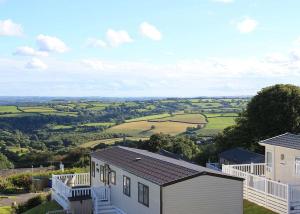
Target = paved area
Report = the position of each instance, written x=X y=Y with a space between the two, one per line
x=7 y=200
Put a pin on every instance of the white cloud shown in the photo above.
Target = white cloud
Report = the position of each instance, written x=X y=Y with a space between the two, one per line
x=90 y=76
x=295 y=54
x=116 y=38
x=9 y=28
x=246 y=25
x=28 y=51
x=276 y=58
x=150 y=31
x=51 y=44
x=36 y=63
x=96 y=43
x=224 y=1
x=297 y=42
x=94 y=64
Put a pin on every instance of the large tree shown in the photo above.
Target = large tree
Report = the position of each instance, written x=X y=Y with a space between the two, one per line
x=4 y=162
x=273 y=111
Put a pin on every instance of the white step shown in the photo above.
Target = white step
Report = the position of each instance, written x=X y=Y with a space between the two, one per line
x=106 y=209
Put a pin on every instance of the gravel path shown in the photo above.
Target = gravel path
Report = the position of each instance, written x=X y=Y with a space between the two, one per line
x=19 y=198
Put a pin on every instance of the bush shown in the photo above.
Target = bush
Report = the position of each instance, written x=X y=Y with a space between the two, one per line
x=32 y=202
x=21 y=181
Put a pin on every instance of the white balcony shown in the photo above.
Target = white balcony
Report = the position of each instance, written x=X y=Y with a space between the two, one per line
x=276 y=196
x=68 y=188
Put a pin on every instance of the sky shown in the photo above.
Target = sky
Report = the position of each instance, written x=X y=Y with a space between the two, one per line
x=134 y=48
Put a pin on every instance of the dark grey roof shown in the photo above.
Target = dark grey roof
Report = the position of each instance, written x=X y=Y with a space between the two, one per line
x=287 y=140
x=242 y=156
x=156 y=168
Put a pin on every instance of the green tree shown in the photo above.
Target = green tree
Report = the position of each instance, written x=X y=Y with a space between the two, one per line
x=4 y=162
x=273 y=111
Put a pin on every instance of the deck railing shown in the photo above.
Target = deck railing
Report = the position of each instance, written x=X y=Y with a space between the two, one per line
x=71 y=185
x=214 y=166
x=258 y=189
x=253 y=168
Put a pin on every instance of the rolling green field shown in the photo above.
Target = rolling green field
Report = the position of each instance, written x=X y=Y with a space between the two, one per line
x=150 y=117
x=57 y=127
x=207 y=105
x=17 y=149
x=38 y=109
x=71 y=114
x=97 y=124
x=146 y=128
x=94 y=143
x=183 y=118
x=8 y=109
x=216 y=123
x=221 y=115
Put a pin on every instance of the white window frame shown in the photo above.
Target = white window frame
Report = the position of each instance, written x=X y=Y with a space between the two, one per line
x=297 y=166
x=269 y=165
x=126 y=186
x=113 y=177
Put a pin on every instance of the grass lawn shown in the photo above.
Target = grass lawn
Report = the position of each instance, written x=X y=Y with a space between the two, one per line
x=185 y=118
x=143 y=128
x=5 y=210
x=94 y=143
x=207 y=105
x=98 y=124
x=38 y=109
x=251 y=208
x=58 y=127
x=16 y=149
x=8 y=109
x=221 y=115
x=72 y=114
x=150 y=117
x=43 y=208
x=216 y=125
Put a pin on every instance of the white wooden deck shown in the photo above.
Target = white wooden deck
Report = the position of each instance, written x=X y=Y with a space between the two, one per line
x=72 y=186
x=278 y=197
x=68 y=186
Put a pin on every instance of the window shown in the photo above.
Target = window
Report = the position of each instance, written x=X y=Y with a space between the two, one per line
x=113 y=177
x=143 y=194
x=282 y=157
x=93 y=169
x=269 y=161
x=126 y=185
x=297 y=166
x=101 y=173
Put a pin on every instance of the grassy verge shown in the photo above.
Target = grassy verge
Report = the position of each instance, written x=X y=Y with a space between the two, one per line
x=45 y=207
x=251 y=208
x=5 y=210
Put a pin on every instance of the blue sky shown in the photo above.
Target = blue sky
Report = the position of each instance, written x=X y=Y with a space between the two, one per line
x=149 y=48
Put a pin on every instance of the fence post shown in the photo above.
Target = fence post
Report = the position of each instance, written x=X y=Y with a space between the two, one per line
x=266 y=192
x=251 y=168
x=246 y=187
x=288 y=198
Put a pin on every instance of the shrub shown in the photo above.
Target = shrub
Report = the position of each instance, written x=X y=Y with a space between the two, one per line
x=32 y=202
x=21 y=180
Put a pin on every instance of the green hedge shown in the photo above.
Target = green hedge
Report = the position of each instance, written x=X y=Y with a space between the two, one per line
x=32 y=202
x=22 y=182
